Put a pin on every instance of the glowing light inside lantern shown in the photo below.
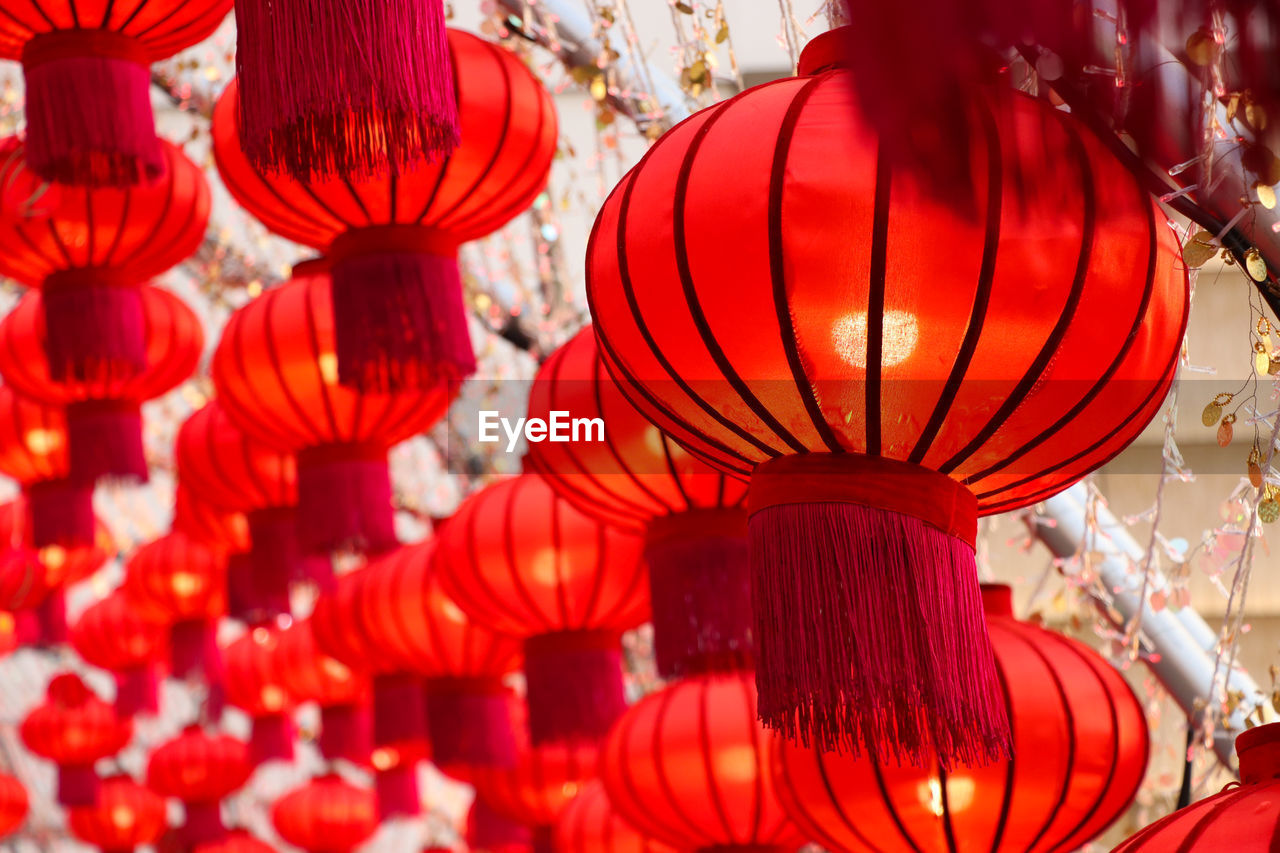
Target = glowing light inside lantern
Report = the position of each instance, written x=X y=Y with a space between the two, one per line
x=328 y=368
x=960 y=791
x=899 y=335
x=123 y=817
x=43 y=442
x=452 y=612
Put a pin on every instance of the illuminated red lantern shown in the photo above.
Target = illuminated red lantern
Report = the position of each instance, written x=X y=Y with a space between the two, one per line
x=114 y=635
x=694 y=518
x=235 y=841
x=73 y=728
x=520 y=560
x=326 y=815
x=86 y=64
x=202 y=521
x=589 y=824
x=1241 y=818
x=310 y=675
x=276 y=378
x=393 y=238
x=535 y=791
x=963 y=362
x=104 y=420
x=13 y=804
x=200 y=769
x=490 y=832
x=16 y=629
x=1080 y=754
x=254 y=686
x=125 y=816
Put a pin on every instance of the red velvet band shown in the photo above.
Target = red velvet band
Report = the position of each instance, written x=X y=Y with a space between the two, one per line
x=352 y=451
x=870 y=481
x=380 y=239
x=572 y=641
x=997 y=599
x=442 y=686
x=826 y=50
x=69 y=44
x=310 y=267
x=124 y=407
x=696 y=524
x=86 y=277
x=1259 y=752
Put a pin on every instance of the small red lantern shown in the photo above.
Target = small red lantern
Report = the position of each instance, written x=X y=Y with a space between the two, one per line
x=235 y=841
x=522 y=561
x=1080 y=754
x=327 y=815
x=276 y=377
x=253 y=685
x=200 y=769
x=13 y=804
x=796 y=305
x=1241 y=818
x=125 y=816
x=310 y=675
x=393 y=238
x=589 y=824
x=114 y=635
x=104 y=420
x=536 y=790
x=73 y=729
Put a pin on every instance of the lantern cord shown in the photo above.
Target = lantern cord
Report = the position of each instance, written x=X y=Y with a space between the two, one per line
x=1184 y=793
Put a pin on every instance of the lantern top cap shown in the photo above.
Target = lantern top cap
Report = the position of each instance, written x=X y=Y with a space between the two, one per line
x=826 y=51
x=311 y=266
x=1259 y=753
x=997 y=599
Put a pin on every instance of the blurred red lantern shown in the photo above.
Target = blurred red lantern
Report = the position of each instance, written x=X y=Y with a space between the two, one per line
x=879 y=417
x=126 y=815
x=490 y=832
x=13 y=804
x=522 y=561
x=326 y=815
x=104 y=421
x=393 y=238
x=200 y=769
x=86 y=65
x=590 y=825
x=1080 y=753
x=254 y=686
x=276 y=377
x=114 y=635
x=694 y=518
x=235 y=841
x=16 y=629
x=310 y=675
x=73 y=728
x=535 y=791
x=202 y=521
x=1241 y=818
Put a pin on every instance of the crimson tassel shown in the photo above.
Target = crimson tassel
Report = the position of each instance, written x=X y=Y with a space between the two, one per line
x=488 y=830
x=203 y=823
x=399 y=318
x=95 y=327
x=105 y=441
x=193 y=649
x=345 y=732
x=399 y=714
x=469 y=724
x=271 y=739
x=276 y=552
x=77 y=785
x=700 y=589
x=397 y=791
x=543 y=840
x=346 y=88
x=870 y=633
x=137 y=692
x=61 y=514
x=89 y=117
x=255 y=598
x=51 y=617
x=344 y=499
x=575 y=689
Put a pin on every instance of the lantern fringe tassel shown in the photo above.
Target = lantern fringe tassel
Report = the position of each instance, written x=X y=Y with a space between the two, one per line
x=870 y=636
x=77 y=785
x=349 y=88
x=574 y=685
x=61 y=514
x=399 y=713
x=203 y=823
x=51 y=619
x=104 y=440
x=469 y=724
x=137 y=692
x=344 y=499
x=489 y=830
x=193 y=650
x=271 y=739
x=397 y=791
x=94 y=331
x=256 y=597
x=345 y=732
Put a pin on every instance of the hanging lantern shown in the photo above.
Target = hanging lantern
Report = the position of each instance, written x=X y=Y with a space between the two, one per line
x=1080 y=754
x=125 y=816
x=254 y=687
x=205 y=523
x=535 y=791
x=16 y=630
x=73 y=729
x=879 y=417
x=393 y=238
x=275 y=374
x=1241 y=818
x=590 y=825
x=326 y=815
x=588 y=582
x=13 y=804
x=235 y=841
x=104 y=421
x=183 y=583
x=114 y=635
x=200 y=769
x=490 y=832
x=694 y=518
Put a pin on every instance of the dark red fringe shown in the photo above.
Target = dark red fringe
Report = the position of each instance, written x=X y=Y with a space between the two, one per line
x=344 y=499
x=574 y=683
x=95 y=331
x=469 y=725
x=105 y=442
x=61 y=514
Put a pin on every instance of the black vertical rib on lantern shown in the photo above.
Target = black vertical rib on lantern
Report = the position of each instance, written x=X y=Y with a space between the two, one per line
x=875 y=300
x=836 y=801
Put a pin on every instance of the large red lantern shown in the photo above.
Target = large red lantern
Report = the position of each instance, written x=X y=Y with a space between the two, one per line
x=13 y=804
x=310 y=675
x=780 y=311
x=393 y=238
x=200 y=769
x=254 y=686
x=125 y=816
x=589 y=824
x=1242 y=818
x=537 y=788
x=276 y=378
x=114 y=635
x=86 y=64
x=694 y=518
x=326 y=815
x=104 y=420
x=73 y=728
x=1080 y=753
x=520 y=560
x=235 y=841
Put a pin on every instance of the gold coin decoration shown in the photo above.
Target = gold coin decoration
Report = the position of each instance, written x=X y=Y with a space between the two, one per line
x=1269 y=511
x=1210 y=415
x=1261 y=361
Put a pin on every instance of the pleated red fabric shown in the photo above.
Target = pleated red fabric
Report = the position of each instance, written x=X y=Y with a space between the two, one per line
x=126 y=815
x=326 y=815
x=200 y=769
x=73 y=728
x=589 y=824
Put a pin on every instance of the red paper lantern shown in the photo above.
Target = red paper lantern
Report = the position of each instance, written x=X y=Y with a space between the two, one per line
x=975 y=370
x=393 y=238
x=253 y=685
x=520 y=560
x=590 y=825
x=114 y=635
x=327 y=815
x=1080 y=754
x=73 y=728
x=694 y=518
x=1241 y=818
x=276 y=378
x=103 y=418
x=200 y=769
x=202 y=521
x=86 y=64
x=13 y=804
x=235 y=841
x=535 y=791
x=126 y=815
x=310 y=675
x=16 y=629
